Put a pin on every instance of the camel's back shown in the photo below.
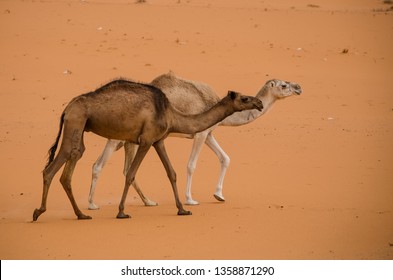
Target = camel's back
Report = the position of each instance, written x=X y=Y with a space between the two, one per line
x=127 y=95
x=120 y=109
x=187 y=96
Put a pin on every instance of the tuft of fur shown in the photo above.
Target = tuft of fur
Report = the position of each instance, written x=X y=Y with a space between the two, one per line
x=53 y=148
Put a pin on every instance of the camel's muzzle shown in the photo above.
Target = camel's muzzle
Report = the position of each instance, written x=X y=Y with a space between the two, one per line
x=297 y=89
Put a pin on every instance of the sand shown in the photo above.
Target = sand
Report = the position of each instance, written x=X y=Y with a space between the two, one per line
x=312 y=179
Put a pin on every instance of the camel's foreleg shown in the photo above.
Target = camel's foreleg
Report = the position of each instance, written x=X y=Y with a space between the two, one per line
x=160 y=148
x=130 y=177
x=130 y=151
x=224 y=161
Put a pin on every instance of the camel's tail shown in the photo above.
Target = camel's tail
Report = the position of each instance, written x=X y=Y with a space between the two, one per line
x=52 y=150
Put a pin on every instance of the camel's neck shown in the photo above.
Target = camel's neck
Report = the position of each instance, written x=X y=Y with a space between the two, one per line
x=244 y=117
x=191 y=124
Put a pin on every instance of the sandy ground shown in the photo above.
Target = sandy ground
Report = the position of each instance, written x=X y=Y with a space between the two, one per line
x=312 y=179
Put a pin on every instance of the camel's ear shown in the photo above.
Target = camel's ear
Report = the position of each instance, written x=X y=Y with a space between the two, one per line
x=232 y=94
x=272 y=84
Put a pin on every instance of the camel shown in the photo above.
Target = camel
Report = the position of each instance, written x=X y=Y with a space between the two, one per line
x=133 y=112
x=195 y=97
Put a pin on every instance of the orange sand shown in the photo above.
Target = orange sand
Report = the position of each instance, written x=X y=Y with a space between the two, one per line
x=312 y=179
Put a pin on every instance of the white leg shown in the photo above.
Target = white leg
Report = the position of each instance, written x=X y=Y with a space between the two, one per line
x=199 y=139
x=224 y=160
x=130 y=151
x=110 y=148
x=145 y=199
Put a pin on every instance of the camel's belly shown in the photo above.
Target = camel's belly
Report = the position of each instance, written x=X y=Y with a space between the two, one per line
x=121 y=116
x=128 y=133
x=126 y=129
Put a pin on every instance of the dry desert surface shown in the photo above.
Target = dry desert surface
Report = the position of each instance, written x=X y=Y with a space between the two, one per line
x=312 y=179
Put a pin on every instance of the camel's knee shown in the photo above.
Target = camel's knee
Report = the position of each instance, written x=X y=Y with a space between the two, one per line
x=65 y=181
x=191 y=167
x=225 y=161
x=47 y=177
x=77 y=153
x=77 y=147
x=96 y=170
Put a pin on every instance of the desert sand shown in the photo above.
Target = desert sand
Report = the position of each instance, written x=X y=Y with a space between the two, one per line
x=312 y=179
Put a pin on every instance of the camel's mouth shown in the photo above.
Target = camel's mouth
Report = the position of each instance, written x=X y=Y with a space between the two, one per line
x=297 y=89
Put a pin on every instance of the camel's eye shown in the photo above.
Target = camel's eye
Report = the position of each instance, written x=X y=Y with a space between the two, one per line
x=284 y=86
x=245 y=99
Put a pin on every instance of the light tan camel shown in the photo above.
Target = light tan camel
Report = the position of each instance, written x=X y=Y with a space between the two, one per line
x=195 y=97
x=134 y=112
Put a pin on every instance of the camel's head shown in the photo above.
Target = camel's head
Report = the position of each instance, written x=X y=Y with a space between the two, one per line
x=281 y=89
x=244 y=102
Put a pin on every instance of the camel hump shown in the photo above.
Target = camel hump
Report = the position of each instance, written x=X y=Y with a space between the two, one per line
x=128 y=86
x=119 y=97
x=187 y=96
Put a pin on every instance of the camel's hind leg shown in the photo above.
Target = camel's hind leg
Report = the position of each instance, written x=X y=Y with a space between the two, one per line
x=110 y=147
x=197 y=145
x=66 y=182
x=71 y=151
x=77 y=150
x=48 y=174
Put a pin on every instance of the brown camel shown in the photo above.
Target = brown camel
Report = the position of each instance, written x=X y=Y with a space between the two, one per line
x=134 y=112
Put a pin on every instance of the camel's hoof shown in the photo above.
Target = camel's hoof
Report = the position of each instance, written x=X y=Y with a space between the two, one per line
x=93 y=206
x=191 y=202
x=123 y=216
x=84 y=217
x=150 y=203
x=184 y=212
x=219 y=198
x=36 y=214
